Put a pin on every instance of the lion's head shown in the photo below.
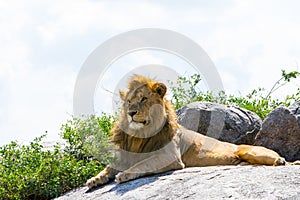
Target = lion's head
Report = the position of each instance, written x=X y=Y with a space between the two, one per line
x=146 y=114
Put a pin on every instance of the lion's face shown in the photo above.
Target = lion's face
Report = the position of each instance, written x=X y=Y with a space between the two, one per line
x=143 y=109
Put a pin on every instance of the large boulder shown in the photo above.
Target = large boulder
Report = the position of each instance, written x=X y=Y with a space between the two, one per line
x=225 y=123
x=281 y=132
x=222 y=182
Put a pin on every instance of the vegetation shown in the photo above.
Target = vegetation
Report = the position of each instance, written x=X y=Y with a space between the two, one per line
x=86 y=136
x=185 y=91
x=32 y=172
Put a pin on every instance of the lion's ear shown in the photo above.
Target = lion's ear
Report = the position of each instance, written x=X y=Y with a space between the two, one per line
x=123 y=95
x=160 y=88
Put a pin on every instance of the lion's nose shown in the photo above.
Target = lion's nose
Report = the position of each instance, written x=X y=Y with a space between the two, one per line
x=131 y=113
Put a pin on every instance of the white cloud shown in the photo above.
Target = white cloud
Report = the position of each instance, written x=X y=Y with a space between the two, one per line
x=69 y=18
x=40 y=100
x=35 y=97
x=258 y=37
x=14 y=50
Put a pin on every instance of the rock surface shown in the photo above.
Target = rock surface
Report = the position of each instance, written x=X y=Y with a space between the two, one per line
x=219 y=182
x=281 y=132
x=225 y=123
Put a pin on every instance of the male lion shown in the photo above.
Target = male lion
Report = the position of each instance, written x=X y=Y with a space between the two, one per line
x=150 y=140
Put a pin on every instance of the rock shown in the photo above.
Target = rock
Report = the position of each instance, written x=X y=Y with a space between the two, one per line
x=281 y=132
x=225 y=123
x=218 y=182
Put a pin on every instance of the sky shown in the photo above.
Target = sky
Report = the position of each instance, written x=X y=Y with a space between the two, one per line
x=43 y=45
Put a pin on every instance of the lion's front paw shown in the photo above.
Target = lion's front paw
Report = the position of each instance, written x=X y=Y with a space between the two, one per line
x=123 y=177
x=97 y=180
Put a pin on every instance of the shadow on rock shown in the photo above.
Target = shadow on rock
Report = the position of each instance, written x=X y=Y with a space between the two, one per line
x=123 y=188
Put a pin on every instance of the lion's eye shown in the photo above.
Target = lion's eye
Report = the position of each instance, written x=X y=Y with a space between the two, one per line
x=128 y=102
x=144 y=99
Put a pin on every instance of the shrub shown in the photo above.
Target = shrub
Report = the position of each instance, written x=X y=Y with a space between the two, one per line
x=88 y=137
x=185 y=91
x=31 y=172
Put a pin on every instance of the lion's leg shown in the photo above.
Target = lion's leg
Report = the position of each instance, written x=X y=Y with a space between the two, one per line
x=152 y=165
x=259 y=155
x=103 y=177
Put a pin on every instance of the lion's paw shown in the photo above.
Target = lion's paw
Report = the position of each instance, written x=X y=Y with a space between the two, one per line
x=122 y=177
x=97 y=180
x=280 y=161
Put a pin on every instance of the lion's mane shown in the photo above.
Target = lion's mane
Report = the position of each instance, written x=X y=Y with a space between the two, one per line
x=143 y=145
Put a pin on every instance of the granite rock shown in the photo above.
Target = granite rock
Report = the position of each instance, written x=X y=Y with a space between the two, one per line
x=281 y=131
x=218 y=182
x=225 y=123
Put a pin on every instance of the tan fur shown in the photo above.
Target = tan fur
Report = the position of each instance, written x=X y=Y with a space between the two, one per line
x=151 y=141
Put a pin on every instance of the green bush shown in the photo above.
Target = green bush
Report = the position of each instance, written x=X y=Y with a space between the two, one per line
x=185 y=91
x=31 y=172
x=88 y=137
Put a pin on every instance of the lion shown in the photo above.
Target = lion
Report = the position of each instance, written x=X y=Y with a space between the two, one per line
x=149 y=140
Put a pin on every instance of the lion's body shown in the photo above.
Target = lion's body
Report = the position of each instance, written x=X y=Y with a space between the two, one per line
x=206 y=151
x=150 y=140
